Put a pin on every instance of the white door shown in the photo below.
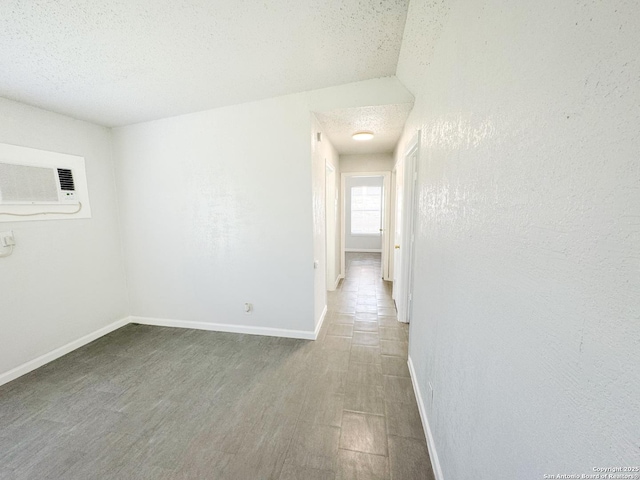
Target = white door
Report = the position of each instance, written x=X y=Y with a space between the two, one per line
x=398 y=174
x=410 y=182
x=405 y=174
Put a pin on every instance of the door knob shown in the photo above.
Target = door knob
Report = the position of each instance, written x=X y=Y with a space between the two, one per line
x=397 y=246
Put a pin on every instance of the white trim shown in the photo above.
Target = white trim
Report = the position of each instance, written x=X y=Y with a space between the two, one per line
x=392 y=227
x=225 y=327
x=61 y=351
x=320 y=322
x=364 y=250
x=330 y=210
x=340 y=277
x=386 y=234
x=404 y=294
x=431 y=445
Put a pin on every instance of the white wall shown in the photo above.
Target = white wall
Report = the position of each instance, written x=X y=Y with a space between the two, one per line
x=359 y=243
x=216 y=207
x=527 y=299
x=217 y=212
x=65 y=278
x=321 y=153
x=373 y=162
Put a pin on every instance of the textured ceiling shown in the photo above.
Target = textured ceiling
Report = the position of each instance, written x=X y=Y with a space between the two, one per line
x=385 y=121
x=117 y=62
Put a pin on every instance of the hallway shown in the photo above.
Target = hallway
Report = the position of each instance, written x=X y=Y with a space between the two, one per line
x=179 y=181
x=380 y=413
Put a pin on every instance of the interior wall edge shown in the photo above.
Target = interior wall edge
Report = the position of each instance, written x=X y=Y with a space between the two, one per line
x=323 y=316
x=120 y=233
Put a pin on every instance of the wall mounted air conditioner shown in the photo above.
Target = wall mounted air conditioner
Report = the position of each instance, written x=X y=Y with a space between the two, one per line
x=31 y=185
x=41 y=185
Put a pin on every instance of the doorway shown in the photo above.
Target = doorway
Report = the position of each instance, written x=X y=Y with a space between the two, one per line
x=365 y=216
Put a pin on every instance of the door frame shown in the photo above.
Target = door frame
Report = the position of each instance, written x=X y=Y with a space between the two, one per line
x=411 y=159
x=386 y=197
x=395 y=272
x=333 y=277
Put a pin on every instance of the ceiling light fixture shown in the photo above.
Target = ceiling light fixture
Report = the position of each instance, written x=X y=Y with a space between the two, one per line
x=362 y=136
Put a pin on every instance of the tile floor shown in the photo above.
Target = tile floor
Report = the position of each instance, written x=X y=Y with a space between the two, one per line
x=162 y=403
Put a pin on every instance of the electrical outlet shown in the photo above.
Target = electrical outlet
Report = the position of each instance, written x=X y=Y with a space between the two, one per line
x=7 y=239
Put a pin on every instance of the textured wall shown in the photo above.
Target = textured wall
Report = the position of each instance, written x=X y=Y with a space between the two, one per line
x=321 y=152
x=65 y=278
x=217 y=212
x=527 y=288
x=372 y=162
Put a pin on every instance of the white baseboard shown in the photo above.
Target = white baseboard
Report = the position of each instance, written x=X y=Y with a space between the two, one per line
x=27 y=367
x=433 y=454
x=320 y=322
x=331 y=287
x=340 y=277
x=59 y=352
x=364 y=250
x=225 y=327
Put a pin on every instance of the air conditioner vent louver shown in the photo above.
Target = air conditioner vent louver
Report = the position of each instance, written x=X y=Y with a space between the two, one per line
x=66 y=179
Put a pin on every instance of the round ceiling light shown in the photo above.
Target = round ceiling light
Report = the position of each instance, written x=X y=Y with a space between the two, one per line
x=362 y=136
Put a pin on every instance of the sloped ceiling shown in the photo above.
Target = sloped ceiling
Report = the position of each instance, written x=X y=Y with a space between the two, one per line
x=117 y=62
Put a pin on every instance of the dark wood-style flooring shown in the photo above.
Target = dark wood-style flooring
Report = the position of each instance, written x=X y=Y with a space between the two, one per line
x=162 y=403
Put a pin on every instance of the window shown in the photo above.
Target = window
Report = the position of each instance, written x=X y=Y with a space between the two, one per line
x=366 y=210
